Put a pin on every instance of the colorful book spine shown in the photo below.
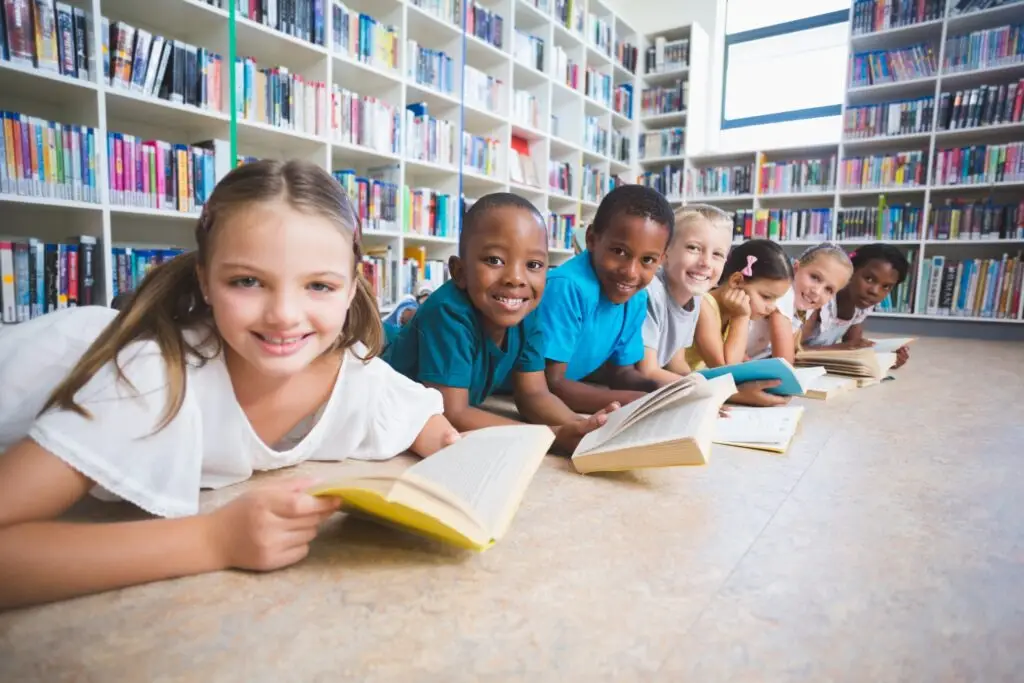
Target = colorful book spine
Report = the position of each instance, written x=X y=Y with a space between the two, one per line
x=482 y=90
x=783 y=224
x=375 y=200
x=879 y=223
x=975 y=288
x=365 y=121
x=38 y=277
x=429 y=212
x=892 y=66
x=279 y=98
x=157 y=174
x=47 y=159
x=364 y=38
x=979 y=164
x=976 y=220
x=427 y=138
x=480 y=154
x=560 y=228
x=434 y=69
x=881 y=171
x=721 y=181
x=668 y=180
x=983 y=49
x=902 y=117
x=302 y=19
x=666 y=99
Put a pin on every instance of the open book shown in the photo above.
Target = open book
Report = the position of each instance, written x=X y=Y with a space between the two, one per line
x=828 y=386
x=891 y=345
x=672 y=426
x=794 y=380
x=864 y=363
x=763 y=429
x=465 y=494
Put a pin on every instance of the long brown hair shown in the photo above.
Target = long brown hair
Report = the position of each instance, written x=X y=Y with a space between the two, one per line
x=170 y=299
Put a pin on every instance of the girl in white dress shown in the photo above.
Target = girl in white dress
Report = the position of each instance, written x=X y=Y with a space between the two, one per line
x=256 y=351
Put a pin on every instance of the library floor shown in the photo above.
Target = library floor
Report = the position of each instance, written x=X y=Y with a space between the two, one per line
x=887 y=545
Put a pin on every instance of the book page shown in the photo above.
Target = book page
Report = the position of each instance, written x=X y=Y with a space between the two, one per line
x=672 y=422
x=687 y=388
x=890 y=345
x=487 y=470
x=807 y=376
x=828 y=383
x=773 y=426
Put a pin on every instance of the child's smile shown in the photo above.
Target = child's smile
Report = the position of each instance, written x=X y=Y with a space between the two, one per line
x=626 y=255
x=504 y=268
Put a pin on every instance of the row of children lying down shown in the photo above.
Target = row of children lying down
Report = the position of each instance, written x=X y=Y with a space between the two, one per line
x=262 y=349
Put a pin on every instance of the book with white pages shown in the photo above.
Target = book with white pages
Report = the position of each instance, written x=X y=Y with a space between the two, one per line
x=891 y=345
x=763 y=429
x=830 y=386
x=673 y=426
x=866 y=363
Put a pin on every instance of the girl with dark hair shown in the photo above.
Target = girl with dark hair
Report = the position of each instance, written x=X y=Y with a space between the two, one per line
x=877 y=269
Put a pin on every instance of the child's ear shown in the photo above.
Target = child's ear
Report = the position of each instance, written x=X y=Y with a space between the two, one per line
x=735 y=280
x=457 y=272
x=591 y=237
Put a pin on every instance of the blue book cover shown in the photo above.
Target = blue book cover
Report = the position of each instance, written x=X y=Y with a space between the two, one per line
x=766 y=368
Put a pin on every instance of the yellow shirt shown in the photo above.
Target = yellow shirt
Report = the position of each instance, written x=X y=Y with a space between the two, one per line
x=693 y=357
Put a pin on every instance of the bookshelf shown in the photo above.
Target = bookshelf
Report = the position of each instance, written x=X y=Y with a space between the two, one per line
x=414 y=103
x=904 y=201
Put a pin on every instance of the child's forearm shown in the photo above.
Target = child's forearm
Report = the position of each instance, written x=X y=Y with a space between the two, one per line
x=48 y=561
x=629 y=378
x=467 y=419
x=735 y=347
x=660 y=376
x=437 y=433
x=588 y=399
x=543 y=407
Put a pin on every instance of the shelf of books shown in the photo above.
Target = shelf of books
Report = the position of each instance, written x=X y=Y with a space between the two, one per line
x=117 y=124
x=672 y=106
x=930 y=159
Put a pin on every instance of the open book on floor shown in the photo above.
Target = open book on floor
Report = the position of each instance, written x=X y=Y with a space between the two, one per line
x=763 y=429
x=867 y=363
x=670 y=427
x=829 y=386
x=794 y=380
x=892 y=344
x=465 y=494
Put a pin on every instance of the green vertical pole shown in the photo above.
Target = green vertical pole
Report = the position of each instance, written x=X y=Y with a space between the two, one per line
x=231 y=84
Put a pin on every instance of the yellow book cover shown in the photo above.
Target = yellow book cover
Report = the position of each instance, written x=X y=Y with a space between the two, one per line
x=465 y=495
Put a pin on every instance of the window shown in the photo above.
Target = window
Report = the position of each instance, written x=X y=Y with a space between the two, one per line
x=785 y=61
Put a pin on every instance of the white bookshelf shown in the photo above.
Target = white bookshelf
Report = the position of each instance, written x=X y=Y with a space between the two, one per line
x=94 y=103
x=928 y=194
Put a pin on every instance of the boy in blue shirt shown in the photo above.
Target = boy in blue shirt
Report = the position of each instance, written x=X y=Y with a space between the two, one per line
x=479 y=329
x=594 y=309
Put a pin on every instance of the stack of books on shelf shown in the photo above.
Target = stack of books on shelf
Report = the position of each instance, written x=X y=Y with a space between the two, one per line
x=892 y=66
x=560 y=230
x=871 y=16
x=665 y=55
x=41 y=277
x=48 y=159
x=528 y=49
x=983 y=49
x=892 y=223
x=976 y=220
x=375 y=197
x=485 y=24
x=364 y=121
x=668 y=142
x=429 y=212
x=156 y=174
x=364 y=38
x=884 y=171
x=979 y=164
x=904 y=117
x=721 y=181
x=51 y=37
x=132 y=264
x=986 y=105
x=664 y=99
x=141 y=62
x=302 y=19
x=977 y=288
x=804 y=175
x=782 y=224
x=668 y=180
x=277 y=97
x=429 y=139
x=434 y=69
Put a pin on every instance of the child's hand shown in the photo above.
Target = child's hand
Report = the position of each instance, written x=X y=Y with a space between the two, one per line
x=736 y=303
x=269 y=527
x=567 y=436
x=755 y=394
x=902 y=356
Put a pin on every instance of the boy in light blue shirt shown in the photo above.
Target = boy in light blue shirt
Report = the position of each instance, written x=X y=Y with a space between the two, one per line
x=594 y=307
x=480 y=329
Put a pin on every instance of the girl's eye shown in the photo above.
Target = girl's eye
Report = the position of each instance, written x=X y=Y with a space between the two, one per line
x=694 y=247
x=815 y=277
x=321 y=287
x=245 y=282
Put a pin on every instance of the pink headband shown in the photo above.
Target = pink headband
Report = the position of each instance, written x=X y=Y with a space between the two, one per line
x=748 y=272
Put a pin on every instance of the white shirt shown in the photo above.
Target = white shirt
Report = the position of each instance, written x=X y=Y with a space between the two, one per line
x=831 y=328
x=373 y=413
x=759 y=335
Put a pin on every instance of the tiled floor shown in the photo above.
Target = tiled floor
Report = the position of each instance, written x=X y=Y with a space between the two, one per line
x=887 y=545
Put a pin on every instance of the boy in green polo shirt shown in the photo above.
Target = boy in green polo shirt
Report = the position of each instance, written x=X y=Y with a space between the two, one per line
x=479 y=328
